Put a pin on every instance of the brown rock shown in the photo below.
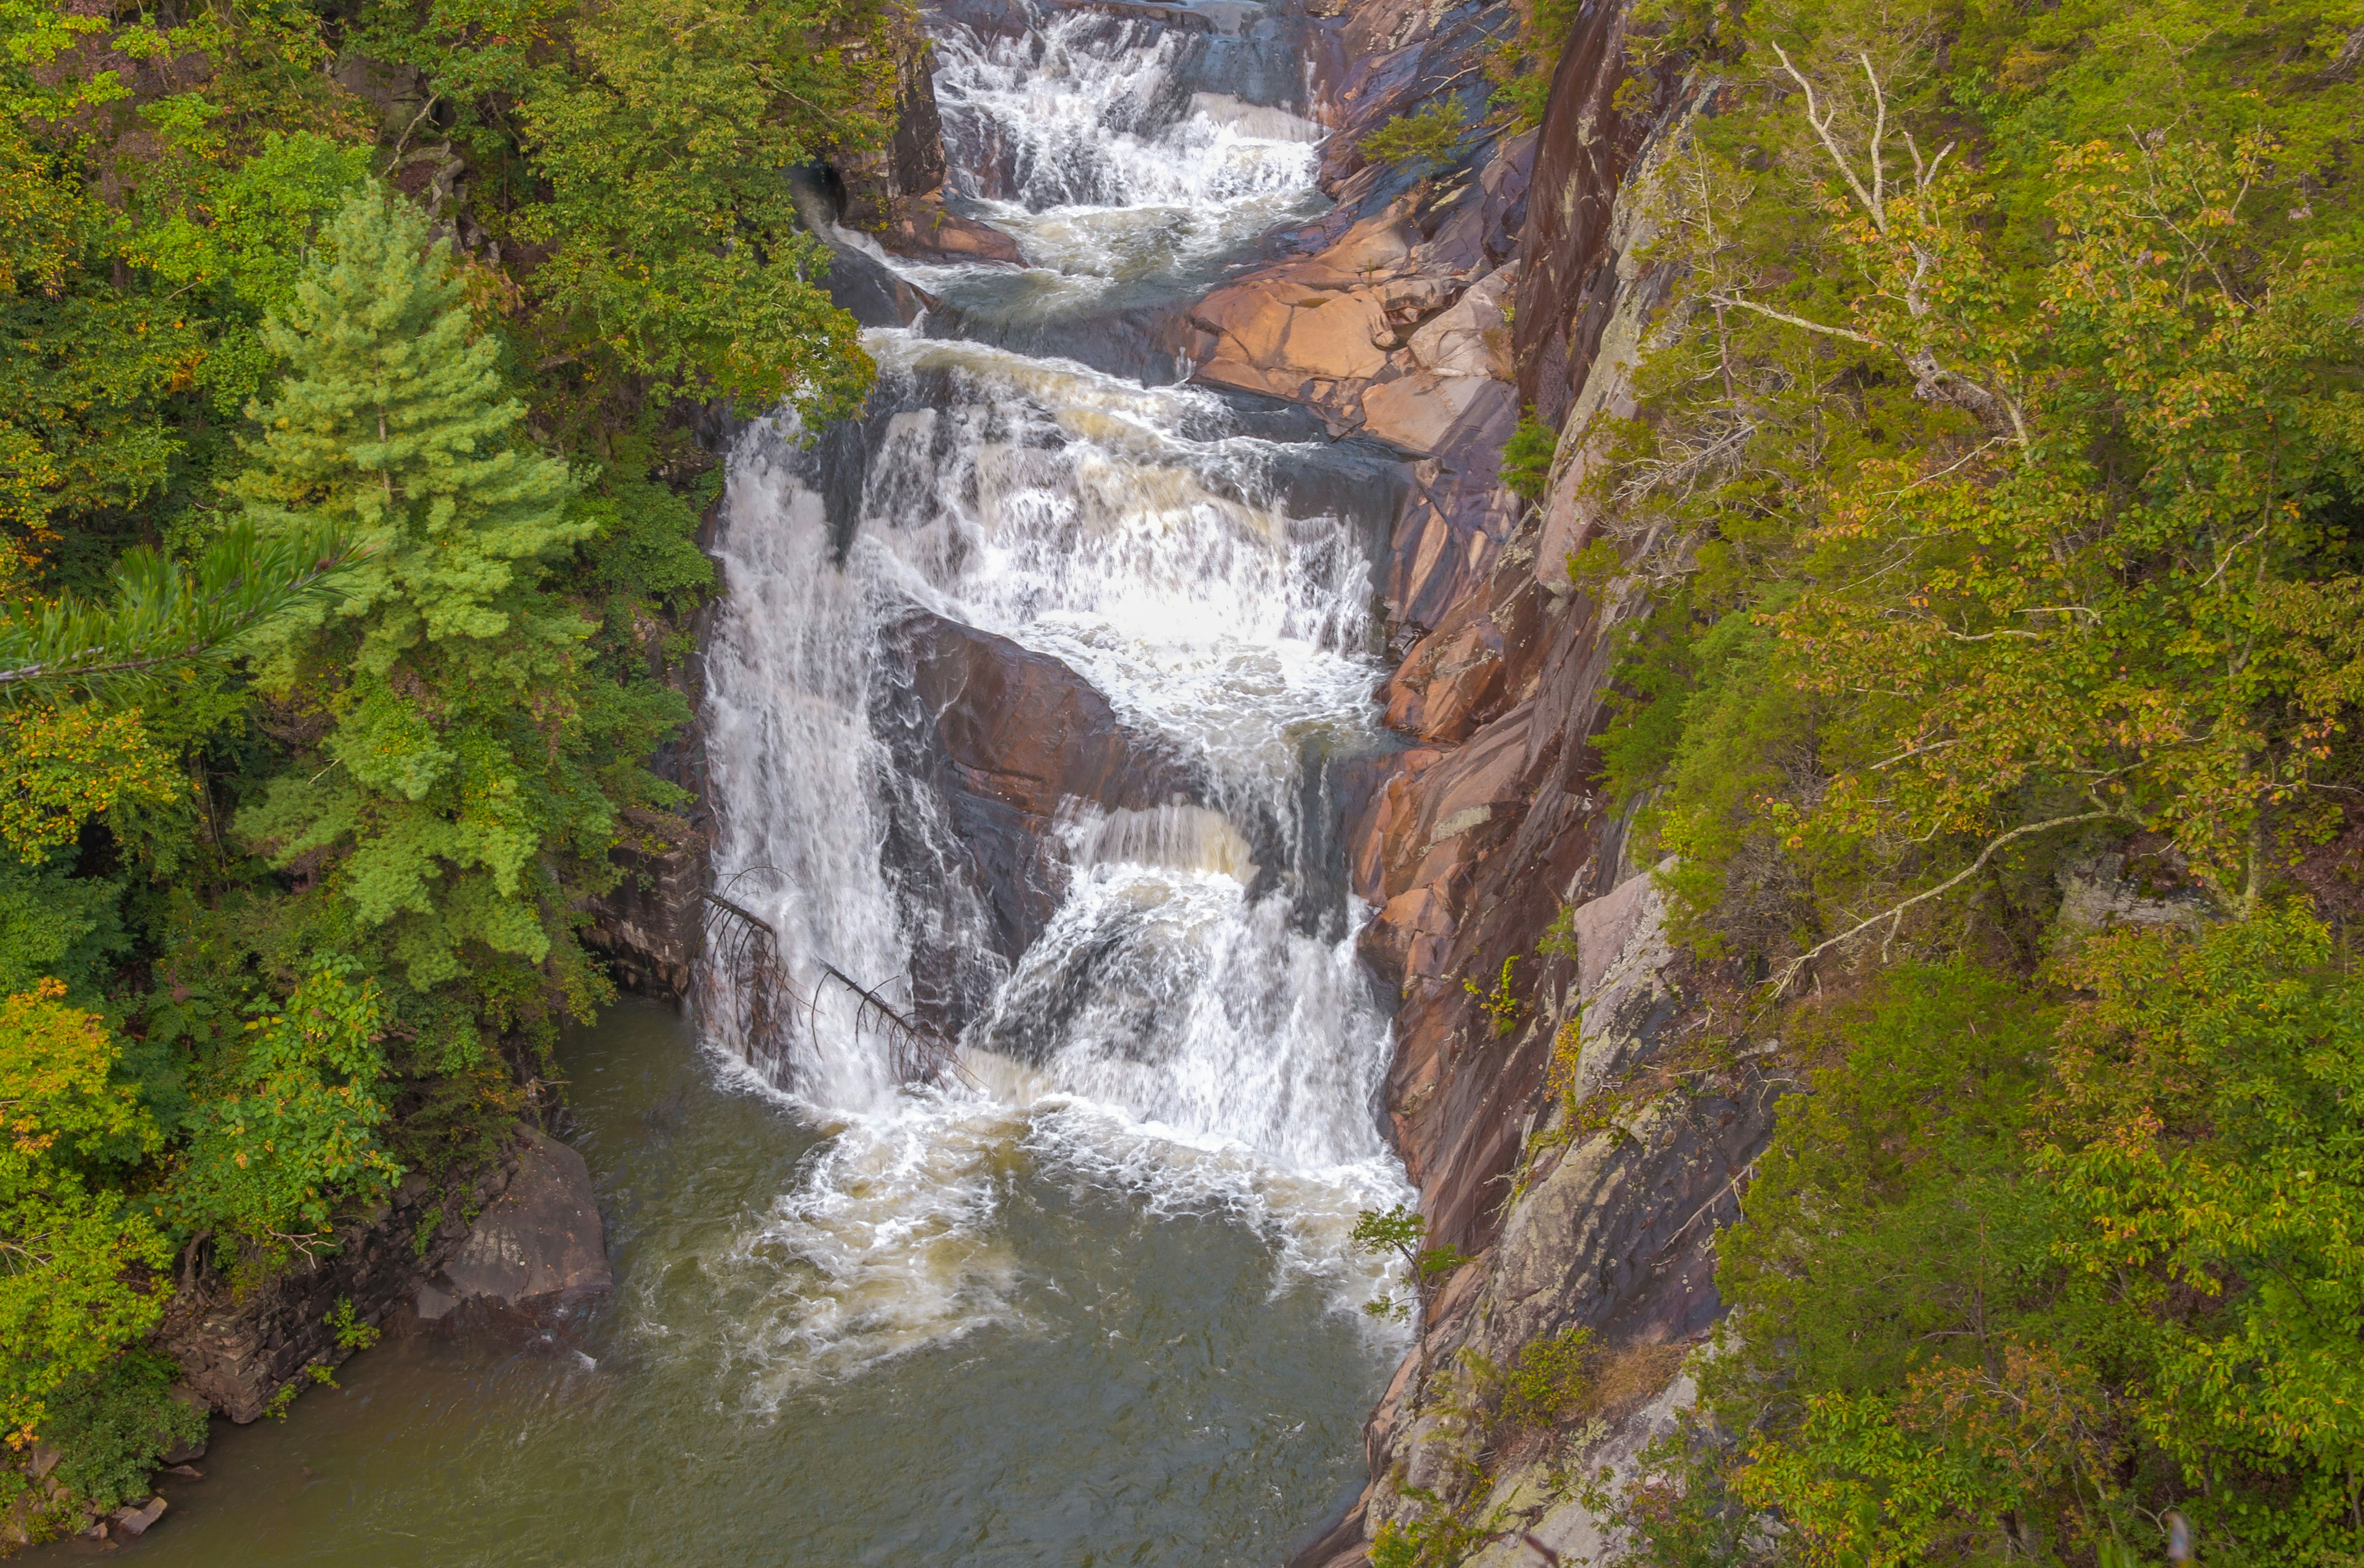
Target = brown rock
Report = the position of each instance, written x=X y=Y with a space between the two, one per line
x=1582 y=150
x=140 y=1520
x=1470 y=336
x=649 y=924
x=924 y=231
x=1450 y=682
x=540 y=1242
x=1430 y=414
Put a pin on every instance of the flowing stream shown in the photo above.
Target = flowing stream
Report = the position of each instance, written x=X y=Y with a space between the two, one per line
x=1090 y=1299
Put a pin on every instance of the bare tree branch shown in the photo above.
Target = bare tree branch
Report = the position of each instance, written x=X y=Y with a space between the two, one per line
x=1736 y=303
x=1895 y=912
x=1822 y=124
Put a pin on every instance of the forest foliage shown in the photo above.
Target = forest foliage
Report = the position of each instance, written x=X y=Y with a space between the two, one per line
x=1988 y=528
x=349 y=475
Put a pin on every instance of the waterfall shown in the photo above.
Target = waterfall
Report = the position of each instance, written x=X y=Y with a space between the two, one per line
x=1156 y=986
x=1119 y=154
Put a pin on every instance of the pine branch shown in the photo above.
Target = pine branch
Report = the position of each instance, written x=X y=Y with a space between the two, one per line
x=164 y=614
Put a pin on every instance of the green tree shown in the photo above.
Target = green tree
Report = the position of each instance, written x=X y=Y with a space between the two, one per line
x=2206 y=1139
x=2022 y=1269
x=2026 y=461
x=73 y=1246
x=449 y=677
x=1422 y=141
x=288 y=1127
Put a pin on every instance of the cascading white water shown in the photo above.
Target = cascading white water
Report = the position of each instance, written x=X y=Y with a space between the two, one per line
x=1183 y=1022
x=1091 y=141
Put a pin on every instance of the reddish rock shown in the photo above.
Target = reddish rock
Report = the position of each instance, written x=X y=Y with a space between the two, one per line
x=923 y=231
x=1583 y=149
x=1009 y=737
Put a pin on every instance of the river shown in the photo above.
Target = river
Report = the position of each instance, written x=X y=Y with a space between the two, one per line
x=1088 y=1300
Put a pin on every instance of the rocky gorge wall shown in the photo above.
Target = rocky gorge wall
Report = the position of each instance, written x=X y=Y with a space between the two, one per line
x=1573 y=1142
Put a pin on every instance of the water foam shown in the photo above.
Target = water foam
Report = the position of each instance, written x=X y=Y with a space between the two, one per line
x=1182 y=1031
x=1082 y=138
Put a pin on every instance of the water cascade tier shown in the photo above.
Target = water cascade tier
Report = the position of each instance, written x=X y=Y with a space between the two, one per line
x=1026 y=710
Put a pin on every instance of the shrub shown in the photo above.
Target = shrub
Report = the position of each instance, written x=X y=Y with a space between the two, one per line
x=1547 y=1379
x=1420 y=142
x=1527 y=456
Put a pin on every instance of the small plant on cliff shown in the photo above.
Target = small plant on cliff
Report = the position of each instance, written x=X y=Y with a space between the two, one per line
x=1405 y=1234
x=1420 y=142
x=1547 y=1379
x=1522 y=66
x=1527 y=456
x=1559 y=939
x=1501 y=1007
x=1434 y=1537
x=351 y=1333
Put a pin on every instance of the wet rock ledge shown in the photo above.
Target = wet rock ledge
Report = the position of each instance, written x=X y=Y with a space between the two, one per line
x=518 y=1236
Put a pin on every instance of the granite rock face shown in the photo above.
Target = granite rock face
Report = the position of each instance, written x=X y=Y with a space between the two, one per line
x=1594 y=1204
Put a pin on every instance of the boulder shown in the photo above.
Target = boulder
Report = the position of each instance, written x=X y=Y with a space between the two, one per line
x=1008 y=739
x=540 y=1243
x=1429 y=414
x=2097 y=894
x=237 y=1349
x=924 y=231
x=138 y=1521
x=1469 y=336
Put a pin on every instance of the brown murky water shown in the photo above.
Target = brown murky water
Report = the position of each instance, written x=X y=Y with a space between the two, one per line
x=1135 y=1381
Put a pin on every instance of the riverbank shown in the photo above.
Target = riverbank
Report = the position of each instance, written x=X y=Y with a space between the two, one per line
x=1134 y=1379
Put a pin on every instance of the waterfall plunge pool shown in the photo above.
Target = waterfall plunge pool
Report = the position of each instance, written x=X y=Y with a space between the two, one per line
x=1142 y=1377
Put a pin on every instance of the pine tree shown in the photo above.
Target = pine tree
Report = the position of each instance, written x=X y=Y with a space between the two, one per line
x=453 y=683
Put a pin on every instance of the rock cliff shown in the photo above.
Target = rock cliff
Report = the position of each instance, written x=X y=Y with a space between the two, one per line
x=1569 y=1130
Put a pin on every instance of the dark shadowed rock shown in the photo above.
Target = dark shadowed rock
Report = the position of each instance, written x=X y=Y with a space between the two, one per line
x=1004 y=739
x=238 y=1348
x=540 y=1243
x=1585 y=146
